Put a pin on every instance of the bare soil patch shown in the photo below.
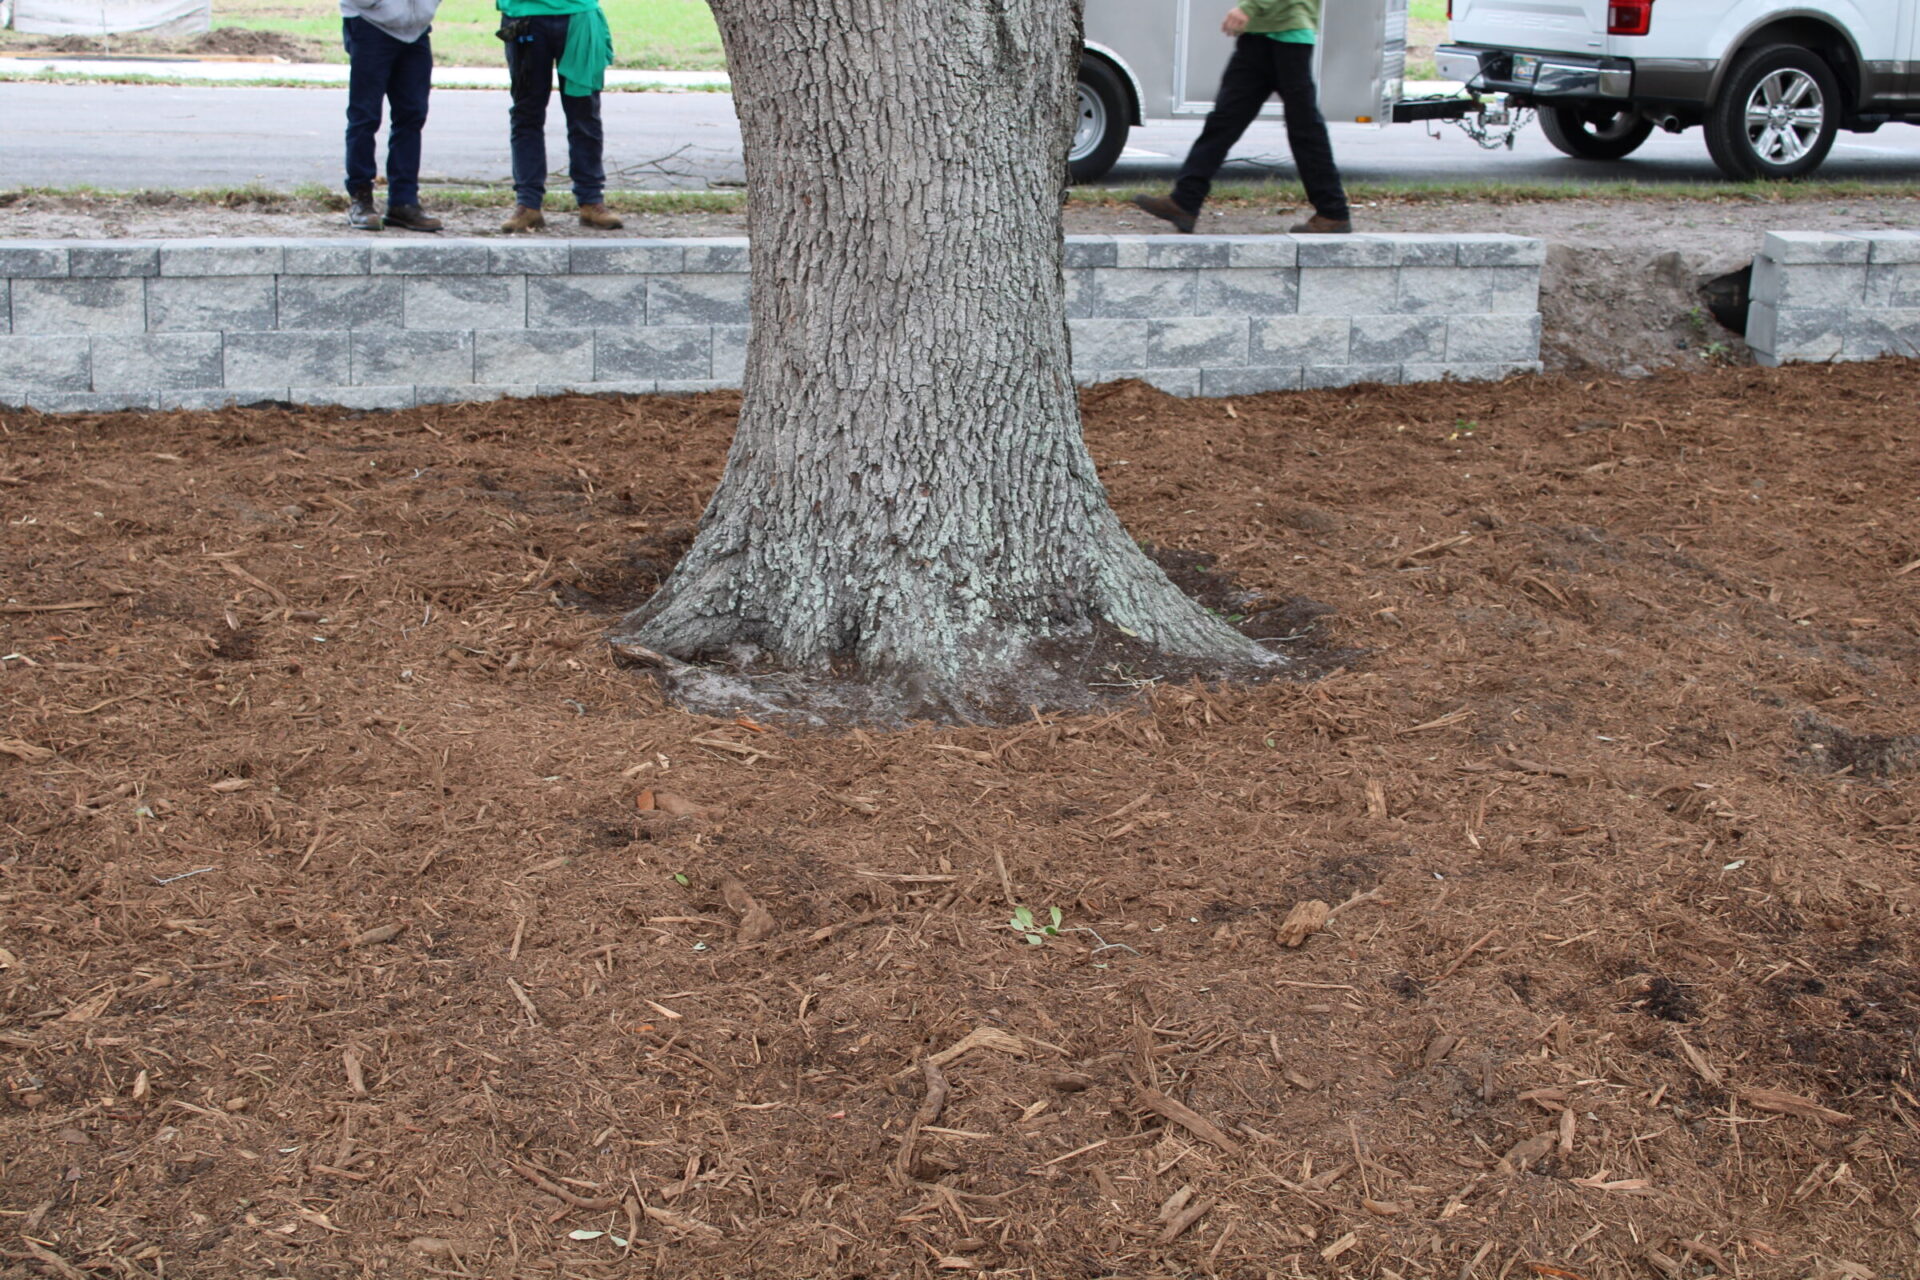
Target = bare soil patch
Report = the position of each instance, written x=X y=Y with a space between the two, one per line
x=229 y=41
x=360 y=917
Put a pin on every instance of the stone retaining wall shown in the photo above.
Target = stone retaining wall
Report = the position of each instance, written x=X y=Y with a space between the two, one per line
x=1827 y=295
x=399 y=320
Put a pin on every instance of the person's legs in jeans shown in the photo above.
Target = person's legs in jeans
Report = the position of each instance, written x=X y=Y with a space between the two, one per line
x=408 y=84
x=1307 y=130
x=530 y=62
x=584 y=147
x=1245 y=86
x=370 y=54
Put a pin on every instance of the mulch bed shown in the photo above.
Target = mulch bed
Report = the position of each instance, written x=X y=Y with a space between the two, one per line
x=362 y=918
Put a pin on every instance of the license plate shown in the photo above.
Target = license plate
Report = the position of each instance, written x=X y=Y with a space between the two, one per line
x=1525 y=68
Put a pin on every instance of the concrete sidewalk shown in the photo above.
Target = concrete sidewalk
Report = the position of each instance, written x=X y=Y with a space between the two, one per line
x=322 y=73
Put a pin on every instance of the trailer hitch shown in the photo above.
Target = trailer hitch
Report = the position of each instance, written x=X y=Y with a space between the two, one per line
x=1493 y=124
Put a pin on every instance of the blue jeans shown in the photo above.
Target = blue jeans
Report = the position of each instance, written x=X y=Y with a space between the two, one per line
x=531 y=58
x=401 y=73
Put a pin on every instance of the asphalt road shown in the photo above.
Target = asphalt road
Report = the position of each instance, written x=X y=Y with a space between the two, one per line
x=151 y=136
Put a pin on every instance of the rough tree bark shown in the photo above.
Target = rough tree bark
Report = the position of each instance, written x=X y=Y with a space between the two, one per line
x=908 y=498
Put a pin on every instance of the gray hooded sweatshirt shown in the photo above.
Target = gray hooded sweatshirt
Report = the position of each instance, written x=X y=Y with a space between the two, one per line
x=404 y=20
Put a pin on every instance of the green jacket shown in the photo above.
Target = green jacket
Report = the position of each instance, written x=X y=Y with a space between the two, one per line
x=583 y=63
x=1281 y=15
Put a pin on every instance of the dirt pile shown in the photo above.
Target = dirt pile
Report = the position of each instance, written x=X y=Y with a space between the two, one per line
x=359 y=917
x=220 y=42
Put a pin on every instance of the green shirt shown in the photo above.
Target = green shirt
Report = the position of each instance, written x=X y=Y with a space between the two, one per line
x=1267 y=17
x=1299 y=35
x=584 y=62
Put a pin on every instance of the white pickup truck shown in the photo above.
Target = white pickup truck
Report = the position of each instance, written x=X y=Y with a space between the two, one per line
x=1769 y=81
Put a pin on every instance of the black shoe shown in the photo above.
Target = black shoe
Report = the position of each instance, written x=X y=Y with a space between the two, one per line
x=362 y=216
x=411 y=217
x=1164 y=207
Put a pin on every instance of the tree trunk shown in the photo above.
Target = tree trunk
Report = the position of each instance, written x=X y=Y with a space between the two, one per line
x=908 y=493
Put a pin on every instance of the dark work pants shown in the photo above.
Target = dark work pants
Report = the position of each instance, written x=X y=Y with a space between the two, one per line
x=530 y=63
x=402 y=74
x=1261 y=67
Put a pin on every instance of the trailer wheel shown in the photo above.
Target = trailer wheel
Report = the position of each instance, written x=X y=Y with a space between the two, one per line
x=1100 y=124
x=1776 y=116
x=1595 y=133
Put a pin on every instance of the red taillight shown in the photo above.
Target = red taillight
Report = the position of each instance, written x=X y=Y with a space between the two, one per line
x=1449 y=10
x=1629 y=17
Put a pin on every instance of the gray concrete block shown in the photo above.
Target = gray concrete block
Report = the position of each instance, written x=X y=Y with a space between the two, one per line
x=466 y=302
x=240 y=256
x=364 y=398
x=1091 y=251
x=21 y=259
x=510 y=356
x=1262 y=251
x=384 y=358
x=1492 y=339
x=1780 y=334
x=327 y=258
x=6 y=305
x=1345 y=251
x=1423 y=249
x=120 y=260
x=1812 y=285
x=1894 y=284
x=1171 y=253
x=1197 y=342
x=697 y=299
x=1125 y=293
x=628 y=257
x=1494 y=249
x=1397 y=339
x=730 y=353
x=1349 y=291
x=79 y=306
x=1467 y=372
x=1299 y=340
x=1800 y=248
x=1431 y=291
x=156 y=361
x=1513 y=289
x=586 y=302
x=471 y=392
x=425 y=258
x=340 y=302
x=1175 y=382
x=690 y=386
x=615 y=387
x=1250 y=381
x=717 y=254
x=1108 y=344
x=308 y=358
x=1894 y=247
x=660 y=352
x=1247 y=291
x=530 y=258
x=1881 y=332
x=89 y=401
x=204 y=304
x=51 y=363
x=1321 y=376
x=211 y=398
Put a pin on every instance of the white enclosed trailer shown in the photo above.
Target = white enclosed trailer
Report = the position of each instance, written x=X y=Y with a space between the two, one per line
x=1161 y=60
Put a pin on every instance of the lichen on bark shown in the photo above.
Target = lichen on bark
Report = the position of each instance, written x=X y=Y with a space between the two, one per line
x=908 y=499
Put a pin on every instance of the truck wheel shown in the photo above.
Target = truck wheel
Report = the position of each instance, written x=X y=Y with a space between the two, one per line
x=1595 y=133
x=1100 y=125
x=1776 y=116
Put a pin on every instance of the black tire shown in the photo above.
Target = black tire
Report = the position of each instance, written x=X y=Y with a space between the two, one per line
x=1101 y=115
x=1595 y=133
x=1776 y=115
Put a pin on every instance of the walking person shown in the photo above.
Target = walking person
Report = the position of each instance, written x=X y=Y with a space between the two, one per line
x=570 y=37
x=1272 y=54
x=391 y=58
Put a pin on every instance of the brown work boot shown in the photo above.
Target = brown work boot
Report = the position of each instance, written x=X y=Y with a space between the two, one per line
x=1164 y=207
x=598 y=215
x=1319 y=226
x=524 y=219
x=411 y=217
x=361 y=214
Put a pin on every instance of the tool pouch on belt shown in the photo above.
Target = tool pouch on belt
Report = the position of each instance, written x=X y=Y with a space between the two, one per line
x=514 y=29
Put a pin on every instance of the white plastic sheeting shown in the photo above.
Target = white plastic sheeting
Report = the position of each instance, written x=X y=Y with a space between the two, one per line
x=111 y=17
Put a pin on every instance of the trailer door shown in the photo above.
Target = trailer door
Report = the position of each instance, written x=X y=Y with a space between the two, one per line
x=1359 y=62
